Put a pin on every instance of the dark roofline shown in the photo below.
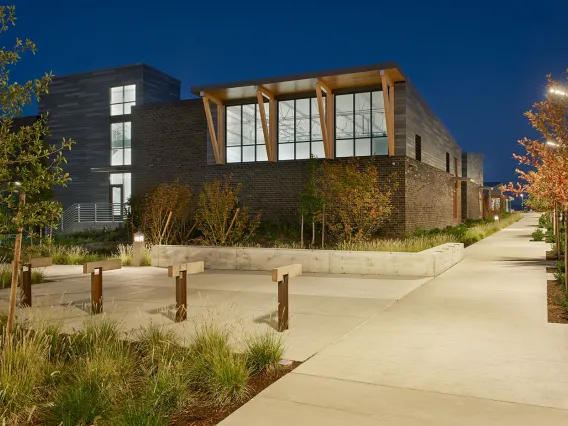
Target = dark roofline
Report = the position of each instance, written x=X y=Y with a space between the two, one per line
x=139 y=64
x=325 y=73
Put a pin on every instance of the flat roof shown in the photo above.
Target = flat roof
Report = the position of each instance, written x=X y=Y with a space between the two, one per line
x=342 y=78
x=139 y=64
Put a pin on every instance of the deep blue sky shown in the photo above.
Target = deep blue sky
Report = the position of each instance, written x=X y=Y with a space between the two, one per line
x=479 y=64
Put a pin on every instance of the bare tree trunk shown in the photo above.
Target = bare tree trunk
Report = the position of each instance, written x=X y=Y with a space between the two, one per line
x=565 y=248
x=40 y=236
x=302 y=232
x=165 y=228
x=15 y=267
x=557 y=235
x=323 y=227
x=313 y=231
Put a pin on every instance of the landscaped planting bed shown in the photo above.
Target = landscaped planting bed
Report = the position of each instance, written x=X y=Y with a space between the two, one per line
x=97 y=376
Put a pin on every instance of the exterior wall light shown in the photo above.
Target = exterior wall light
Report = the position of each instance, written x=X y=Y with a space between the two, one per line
x=139 y=237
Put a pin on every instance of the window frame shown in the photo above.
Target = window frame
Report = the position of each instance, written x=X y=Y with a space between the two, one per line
x=123 y=103
x=123 y=148
x=418 y=147
x=241 y=145
x=295 y=142
x=354 y=139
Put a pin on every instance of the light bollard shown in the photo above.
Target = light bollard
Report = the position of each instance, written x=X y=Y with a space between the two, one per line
x=138 y=248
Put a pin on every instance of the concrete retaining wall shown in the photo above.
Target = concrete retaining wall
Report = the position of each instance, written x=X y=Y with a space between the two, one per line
x=427 y=263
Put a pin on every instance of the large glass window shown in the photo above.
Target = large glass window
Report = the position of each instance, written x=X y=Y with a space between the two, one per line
x=245 y=138
x=122 y=99
x=299 y=129
x=121 y=140
x=121 y=187
x=360 y=126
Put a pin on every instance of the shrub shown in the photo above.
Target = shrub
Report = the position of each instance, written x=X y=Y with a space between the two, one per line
x=264 y=351
x=538 y=235
x=222 y=220
x=167 y=200
x=124 y=253
x=354 y=201
x=156 y=343
x=227 y=378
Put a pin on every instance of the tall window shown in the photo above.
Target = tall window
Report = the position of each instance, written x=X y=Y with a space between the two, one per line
x=120 y=191
x=245 y=138
x=447 y=162
x=360 y=126
x=299 y=129
x=418 y=147
x=122 y=99
x=121 y=138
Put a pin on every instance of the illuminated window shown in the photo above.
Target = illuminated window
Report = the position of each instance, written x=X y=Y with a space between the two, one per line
x=360 y=126
x=121 y=144
x=122 y=99
x=299 y=129
x=120 y=191
x=245 y=138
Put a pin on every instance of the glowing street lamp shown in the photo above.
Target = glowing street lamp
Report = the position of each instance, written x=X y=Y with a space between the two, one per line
x=138 y=249
x=557 y=92
x=552 y=144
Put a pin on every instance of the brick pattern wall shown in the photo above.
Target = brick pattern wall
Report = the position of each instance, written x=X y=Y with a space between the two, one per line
x=472 y=166
x=171 y=143
x=429 y=197
x=471 y=201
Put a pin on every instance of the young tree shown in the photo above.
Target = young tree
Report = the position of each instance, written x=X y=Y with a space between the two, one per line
x=311 y=203
x=28 y=165
x=356 y=203
x=546 y=180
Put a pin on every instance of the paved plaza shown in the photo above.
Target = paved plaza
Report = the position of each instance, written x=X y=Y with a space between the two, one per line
x=470 y=347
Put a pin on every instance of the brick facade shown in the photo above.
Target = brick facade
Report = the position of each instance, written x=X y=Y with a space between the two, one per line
x=171 y=143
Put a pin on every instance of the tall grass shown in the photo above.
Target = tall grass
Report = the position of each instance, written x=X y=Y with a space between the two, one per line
x=264 y=351
x=125 y=252
x=38 y=275
x=410 y=244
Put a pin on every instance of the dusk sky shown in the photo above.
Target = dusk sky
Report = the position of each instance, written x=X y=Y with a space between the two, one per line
x=478 y=64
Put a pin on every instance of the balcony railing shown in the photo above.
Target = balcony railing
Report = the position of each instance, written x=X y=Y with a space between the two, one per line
x=92 y=212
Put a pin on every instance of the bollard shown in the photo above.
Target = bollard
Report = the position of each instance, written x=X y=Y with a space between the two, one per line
x=181 y=296
x=97 y=291
x=283 y=303
x=26 y=285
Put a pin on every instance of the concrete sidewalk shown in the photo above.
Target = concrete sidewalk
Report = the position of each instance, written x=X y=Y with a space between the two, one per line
x=471 y=347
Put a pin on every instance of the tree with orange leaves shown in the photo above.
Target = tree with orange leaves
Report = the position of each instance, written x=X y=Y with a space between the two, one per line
x=546 y=181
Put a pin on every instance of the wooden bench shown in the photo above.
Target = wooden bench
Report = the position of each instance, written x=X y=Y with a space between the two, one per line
x=96 y=270
x=281 y=276
x=180 y=272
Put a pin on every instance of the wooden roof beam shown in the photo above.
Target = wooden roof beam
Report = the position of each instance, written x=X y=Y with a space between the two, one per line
x=212 y=98
x=265 y=92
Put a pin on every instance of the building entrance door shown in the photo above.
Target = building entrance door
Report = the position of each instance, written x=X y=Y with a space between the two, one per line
x=116 y=200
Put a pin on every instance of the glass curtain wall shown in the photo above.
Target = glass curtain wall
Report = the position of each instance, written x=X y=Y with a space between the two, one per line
x=299 y=129
x=360 y=125
x=245 y=138
x=121 y=140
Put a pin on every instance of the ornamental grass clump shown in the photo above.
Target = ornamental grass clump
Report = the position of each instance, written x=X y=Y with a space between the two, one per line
x=264 y=351
x=410 y=244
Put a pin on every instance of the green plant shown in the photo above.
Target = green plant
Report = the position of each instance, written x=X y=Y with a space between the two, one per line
x=538 y=235
x=124 y=253
x=38 y=275
x=411 y=244
x=23 y=364
x=165 y=213
x=227 y=378
x=156 y=343
x=264 y=351
x=222 y=220
x=356 y=204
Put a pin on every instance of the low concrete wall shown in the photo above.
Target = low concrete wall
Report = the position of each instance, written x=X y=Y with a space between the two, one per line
x=427 y=263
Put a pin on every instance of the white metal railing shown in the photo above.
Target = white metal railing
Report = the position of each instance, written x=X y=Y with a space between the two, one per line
x=91 y=212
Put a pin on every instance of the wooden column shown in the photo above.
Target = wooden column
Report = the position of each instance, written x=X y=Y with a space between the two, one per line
x=216 y=134
x=327 y=116
x=388 y=98
x=268 y=126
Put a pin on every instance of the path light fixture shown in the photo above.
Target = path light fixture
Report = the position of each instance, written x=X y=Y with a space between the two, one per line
x=496 y=218
x=138 y=249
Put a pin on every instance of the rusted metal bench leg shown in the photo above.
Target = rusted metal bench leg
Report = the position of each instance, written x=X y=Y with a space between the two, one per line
x=97 y=291
x=283 y=307
x=181 y=297
x=26 y=282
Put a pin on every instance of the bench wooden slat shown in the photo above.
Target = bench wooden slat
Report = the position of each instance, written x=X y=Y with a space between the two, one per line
x=41 y=262
x=189 y=268
x=107 y=265
x=290 y=270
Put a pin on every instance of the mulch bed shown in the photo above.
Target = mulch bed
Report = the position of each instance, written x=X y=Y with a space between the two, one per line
x=210 y=415
x=550 y=255
x=550 y=269
x=556 y=313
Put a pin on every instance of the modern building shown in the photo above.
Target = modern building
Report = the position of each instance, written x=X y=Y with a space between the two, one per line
x=133 y=132
x=495 y=201
x=95 y=109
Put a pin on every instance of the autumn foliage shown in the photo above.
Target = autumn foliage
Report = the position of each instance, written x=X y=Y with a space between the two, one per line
x=356 y=204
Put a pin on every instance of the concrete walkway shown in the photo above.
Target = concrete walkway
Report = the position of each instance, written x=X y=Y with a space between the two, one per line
x=471 y=347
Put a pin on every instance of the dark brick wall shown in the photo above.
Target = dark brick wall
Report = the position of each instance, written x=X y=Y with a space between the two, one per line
x=472 y=166
x=429 y=197
x=172 y=144
x=471 y=204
